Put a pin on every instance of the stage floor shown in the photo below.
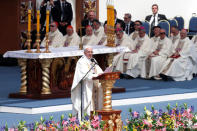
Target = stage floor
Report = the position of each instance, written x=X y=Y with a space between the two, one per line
x=139 y=92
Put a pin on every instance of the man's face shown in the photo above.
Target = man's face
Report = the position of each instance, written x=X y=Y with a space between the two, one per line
x=88 y=53
x=53 y=27
x=156 y=31
x=154 y=9
x=69 y=31
x=91 y=15
x=137 y=25
x=162 y=34
x=126 y=19
x=183 y=34
x=174 y=31
x=96 y=25
x=89 y=31
x=141 y=34
x=119 y=34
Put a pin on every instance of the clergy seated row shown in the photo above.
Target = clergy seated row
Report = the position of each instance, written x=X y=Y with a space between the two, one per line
x=159 y=57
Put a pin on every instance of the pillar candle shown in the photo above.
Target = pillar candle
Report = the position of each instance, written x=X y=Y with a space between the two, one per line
x=29 y=21
x=47 y=21
x=38 y=21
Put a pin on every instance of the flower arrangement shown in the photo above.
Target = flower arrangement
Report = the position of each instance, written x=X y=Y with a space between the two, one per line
x=65 y=124
x=176 y=118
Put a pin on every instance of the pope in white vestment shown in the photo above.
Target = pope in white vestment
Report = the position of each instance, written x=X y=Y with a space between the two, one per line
x=160 y=54
x=55 y=37
x=71 y=38
x=84 y=64
x=179 y=66
x=89 y=39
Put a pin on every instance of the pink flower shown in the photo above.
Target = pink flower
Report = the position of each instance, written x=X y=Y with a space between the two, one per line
x=156 y=112
x=64 y=122
x=11 y=129
x=135 y=114
x=159 y=123
x=73 y=119
x=96 y=118
x=95 y=124
x=40 y=127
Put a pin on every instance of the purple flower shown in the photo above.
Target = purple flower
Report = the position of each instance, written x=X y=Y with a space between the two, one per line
x=170 y=112
x=177 y=111
x=192 y=108
x=86 y=118
x=160 y=112
x=182 y=110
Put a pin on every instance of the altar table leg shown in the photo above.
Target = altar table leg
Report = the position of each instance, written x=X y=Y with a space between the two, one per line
x=23 y=64
x=46 y=63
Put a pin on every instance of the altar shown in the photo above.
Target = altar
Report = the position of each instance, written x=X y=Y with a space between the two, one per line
x=50 y=75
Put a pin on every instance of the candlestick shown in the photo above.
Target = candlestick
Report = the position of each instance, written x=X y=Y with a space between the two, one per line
x=47 y=43
x=28 y=42
x=38 y=43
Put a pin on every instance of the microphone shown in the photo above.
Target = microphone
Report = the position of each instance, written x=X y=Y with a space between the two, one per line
x=93 y=60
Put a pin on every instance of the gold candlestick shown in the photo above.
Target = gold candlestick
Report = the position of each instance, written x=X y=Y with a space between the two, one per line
x=38 y=43
x=47 y=43
x=28 y=42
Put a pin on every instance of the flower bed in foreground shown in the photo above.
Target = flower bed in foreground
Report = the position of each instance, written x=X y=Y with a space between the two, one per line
x=177 y=118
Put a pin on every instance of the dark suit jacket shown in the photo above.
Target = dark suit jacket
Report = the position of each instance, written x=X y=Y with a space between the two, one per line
x=121 y=22
x=131 y=28
x=56 y=12
x=160 y=17
x=84 y=23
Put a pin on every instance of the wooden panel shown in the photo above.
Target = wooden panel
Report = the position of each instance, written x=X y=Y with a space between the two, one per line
x=9 y=12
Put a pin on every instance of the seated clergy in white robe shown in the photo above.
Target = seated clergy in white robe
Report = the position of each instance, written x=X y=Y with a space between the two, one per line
x=71 y=38
x=179 y=66
x=159 y=55
x=155 y=39
x=137 y=26
x=99 y=32
x=194 y=40
x=121 y=39
x=136 y=61
x=84 y=64
x=175 y=36
x=103 y=40
x=55 y=37
x=89 y=38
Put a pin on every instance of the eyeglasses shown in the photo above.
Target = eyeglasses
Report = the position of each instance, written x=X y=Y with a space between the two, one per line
x=162 y=33
x=52 y=25
x=137 y=24
x=126 y=18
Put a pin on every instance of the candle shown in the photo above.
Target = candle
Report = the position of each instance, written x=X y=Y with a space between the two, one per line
x=47 y=21
x=38 y=21
x=29 y=21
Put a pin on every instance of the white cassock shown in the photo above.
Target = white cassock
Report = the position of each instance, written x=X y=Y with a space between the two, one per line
x=89 y=40
x=83 y=66
x=181 y=68
x=103 y=40
x=55 y=39
x=99 y=33
x=194 y=53
x=126 y=42
x=73 y=40
x=136 y=62
x=156 y=62
x=175 y=40
x=134 y=35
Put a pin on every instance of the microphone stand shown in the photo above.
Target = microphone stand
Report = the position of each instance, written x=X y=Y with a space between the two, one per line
x=81 y=81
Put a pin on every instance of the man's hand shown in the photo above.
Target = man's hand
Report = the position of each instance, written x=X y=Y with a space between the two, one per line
x=156 y=53
x=134 y=51
x=63 y=23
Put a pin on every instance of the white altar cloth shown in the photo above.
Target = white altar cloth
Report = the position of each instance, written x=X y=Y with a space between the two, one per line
x=63 y=52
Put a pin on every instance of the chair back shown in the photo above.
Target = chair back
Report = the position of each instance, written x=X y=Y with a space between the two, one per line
x=147 y=27
x=173 y=22
x=192 y=26
x=180 y=21
x=164 y=24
